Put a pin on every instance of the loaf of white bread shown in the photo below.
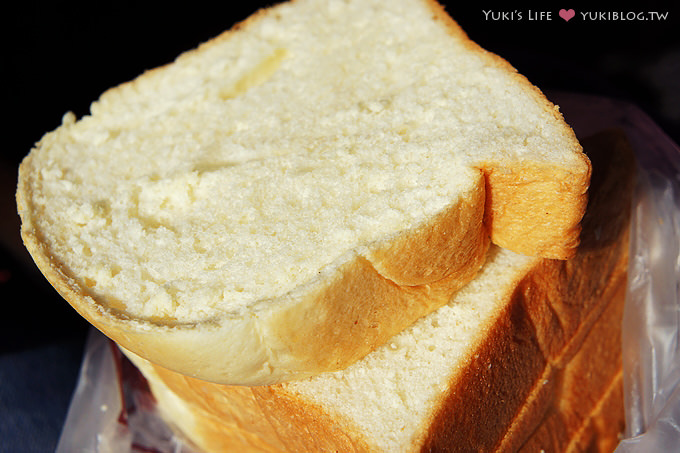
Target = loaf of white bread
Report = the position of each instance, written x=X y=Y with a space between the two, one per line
x=287 y=197
x=526 y=357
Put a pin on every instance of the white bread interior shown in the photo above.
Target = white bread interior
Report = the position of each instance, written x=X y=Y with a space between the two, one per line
x=526 y=357
x=285 y=198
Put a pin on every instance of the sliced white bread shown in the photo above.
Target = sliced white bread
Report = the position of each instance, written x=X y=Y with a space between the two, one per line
x=526 y=357
x=285 y=198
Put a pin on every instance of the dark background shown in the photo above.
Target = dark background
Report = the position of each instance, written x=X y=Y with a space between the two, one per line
x=59 y=56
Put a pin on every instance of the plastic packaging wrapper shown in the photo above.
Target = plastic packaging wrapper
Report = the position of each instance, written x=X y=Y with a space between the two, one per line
x=112 y=410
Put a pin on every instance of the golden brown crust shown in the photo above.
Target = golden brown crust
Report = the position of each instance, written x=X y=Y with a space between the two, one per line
x=440 y=248
x=566 y=406
x=605 y=426
x=584 y=410
x=257 y=419
x=546 y=322
x=549 y=200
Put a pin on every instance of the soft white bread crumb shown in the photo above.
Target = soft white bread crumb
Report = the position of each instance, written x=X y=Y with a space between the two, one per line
x=320 y=142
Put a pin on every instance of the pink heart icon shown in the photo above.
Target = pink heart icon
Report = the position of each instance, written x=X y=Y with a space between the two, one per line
x=567 y=14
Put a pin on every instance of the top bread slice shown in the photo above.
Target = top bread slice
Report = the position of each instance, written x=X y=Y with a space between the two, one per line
x=285 y=198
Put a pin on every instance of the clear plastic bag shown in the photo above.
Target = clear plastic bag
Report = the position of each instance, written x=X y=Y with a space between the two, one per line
x=112 y=410
x=651 y=324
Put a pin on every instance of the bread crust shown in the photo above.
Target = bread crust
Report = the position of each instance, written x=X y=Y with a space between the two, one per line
x=392 y=283
x=262 y=419
x=544 y=373
x=548 y=321
x=550 y=200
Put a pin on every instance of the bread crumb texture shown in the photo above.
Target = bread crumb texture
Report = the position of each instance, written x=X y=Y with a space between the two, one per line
x=233 y=176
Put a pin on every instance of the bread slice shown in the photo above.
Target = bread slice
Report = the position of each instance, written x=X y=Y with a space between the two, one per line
x=285 y=198
x=526 y=357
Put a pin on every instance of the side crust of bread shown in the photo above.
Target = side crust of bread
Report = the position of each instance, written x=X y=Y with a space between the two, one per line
x=560 y=317
x=550 y=200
